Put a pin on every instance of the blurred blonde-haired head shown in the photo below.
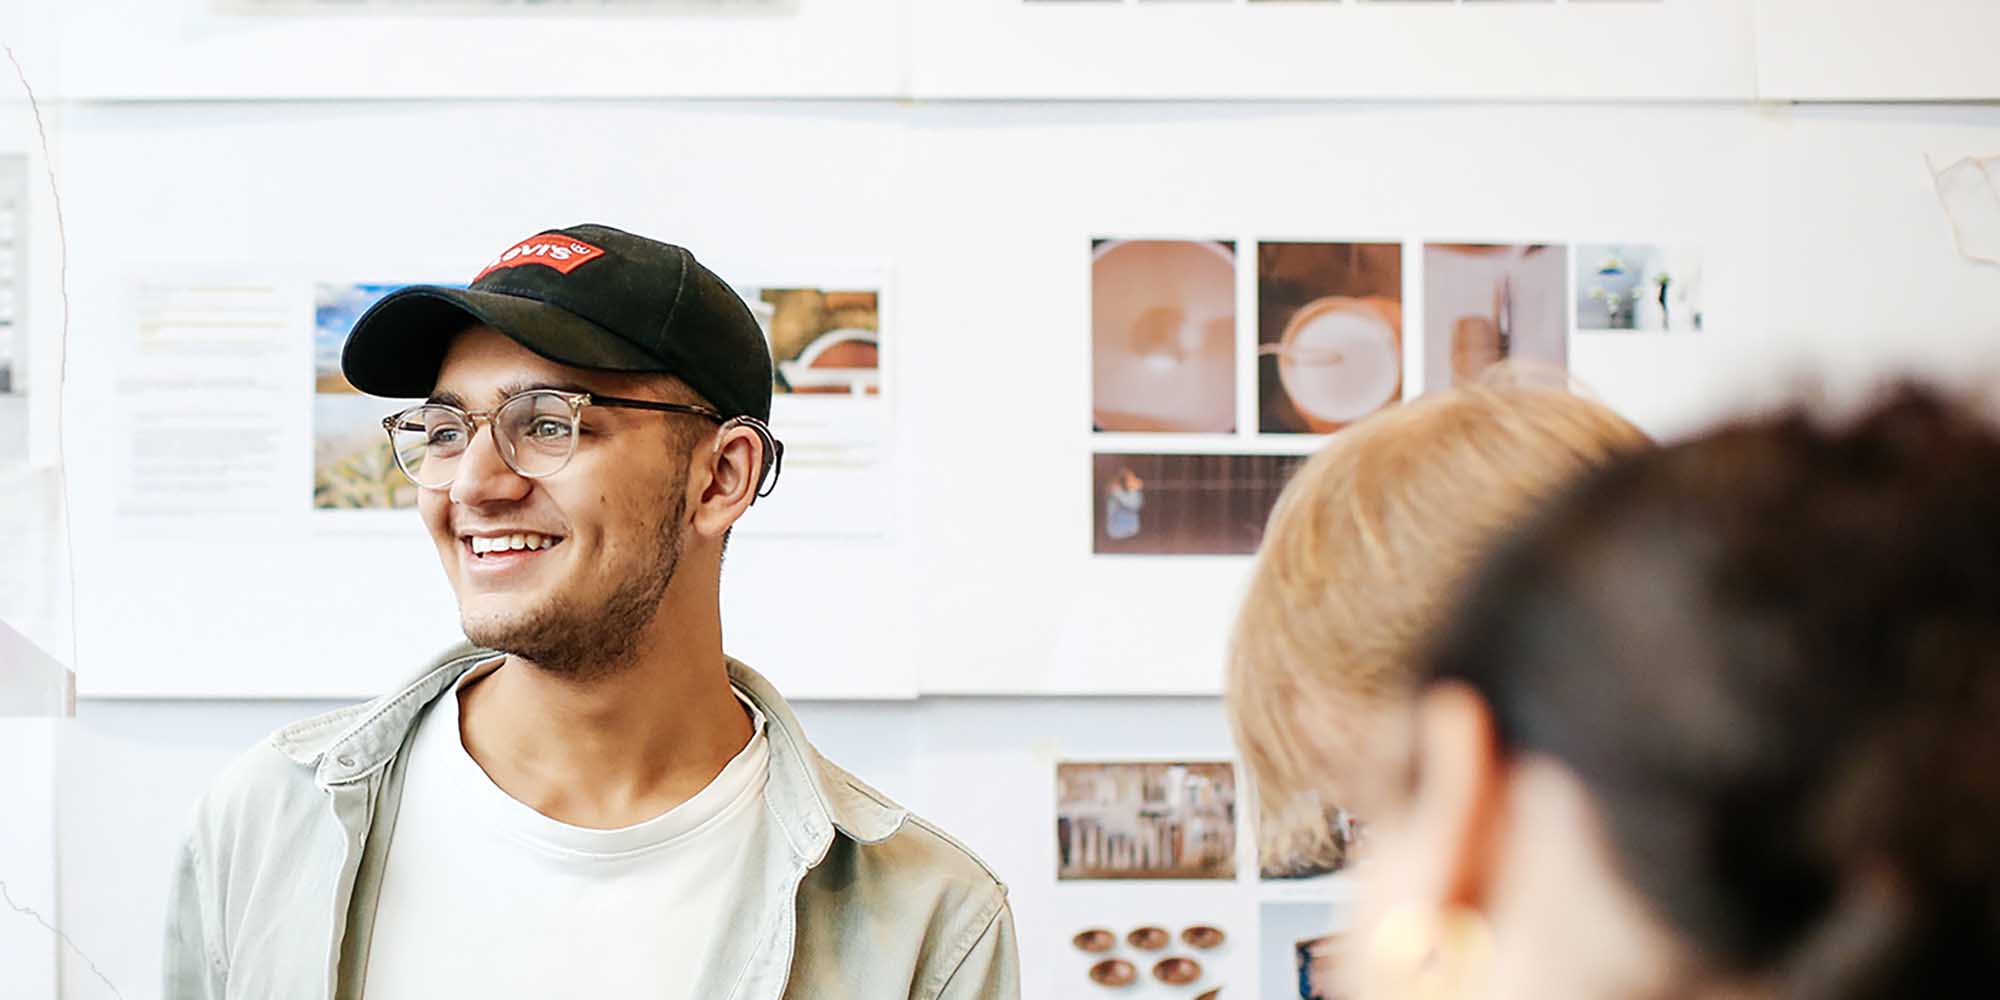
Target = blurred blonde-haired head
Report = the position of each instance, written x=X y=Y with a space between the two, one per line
x=1365 y=546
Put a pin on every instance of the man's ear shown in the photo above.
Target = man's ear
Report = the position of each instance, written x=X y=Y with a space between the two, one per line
x=733 y=460
x=1459 y=785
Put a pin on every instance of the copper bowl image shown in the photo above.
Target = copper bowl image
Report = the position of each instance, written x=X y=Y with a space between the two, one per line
x=1113 y=972
x=1095 y=939
x=1204 y=937
x=1177 y=971
x=1163 y=336
x=1149 y=938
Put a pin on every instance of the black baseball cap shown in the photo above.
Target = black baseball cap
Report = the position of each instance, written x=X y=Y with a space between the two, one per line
x=588 y=296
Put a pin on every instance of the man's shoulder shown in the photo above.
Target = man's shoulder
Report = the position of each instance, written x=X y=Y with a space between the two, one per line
x=940 y=862
x=283 y=769
x=290 y=757
x=274 y=771
x=912 y=853
x=915 y=885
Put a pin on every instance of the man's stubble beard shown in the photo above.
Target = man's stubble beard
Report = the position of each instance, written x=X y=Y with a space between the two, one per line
x=582 y=645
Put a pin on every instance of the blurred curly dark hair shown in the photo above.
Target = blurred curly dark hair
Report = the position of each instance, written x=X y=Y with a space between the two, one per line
x=1772 y=654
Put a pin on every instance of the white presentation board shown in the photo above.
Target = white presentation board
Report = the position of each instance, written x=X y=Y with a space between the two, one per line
x=210 y=572
x=1864 y=50
x=1822 y=242
x=174 y=49
x=1655 y=49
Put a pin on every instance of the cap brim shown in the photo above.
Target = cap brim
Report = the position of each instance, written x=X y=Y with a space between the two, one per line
x=397 y=346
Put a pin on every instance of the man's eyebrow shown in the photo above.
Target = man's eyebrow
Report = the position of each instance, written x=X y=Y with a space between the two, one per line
x=509 y=390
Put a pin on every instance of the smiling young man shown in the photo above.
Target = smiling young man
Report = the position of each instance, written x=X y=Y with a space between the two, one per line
x=592 y=799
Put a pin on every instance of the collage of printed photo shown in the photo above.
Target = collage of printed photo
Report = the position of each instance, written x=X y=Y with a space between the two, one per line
x=1329 y=349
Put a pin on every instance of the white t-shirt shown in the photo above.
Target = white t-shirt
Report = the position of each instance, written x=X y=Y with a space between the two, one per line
x=482 y=896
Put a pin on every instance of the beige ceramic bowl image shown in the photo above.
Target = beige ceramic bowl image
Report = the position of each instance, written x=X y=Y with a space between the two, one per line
x=1163 y=334
x=1341 y=359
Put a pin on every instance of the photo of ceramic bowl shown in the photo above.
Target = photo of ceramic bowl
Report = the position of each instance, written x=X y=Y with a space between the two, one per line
x=1341 y=359
x=1149 y=938
x=1114 y=972
x=843 y=362
x=1163 y=336
x=1177 y=971
x=1203 y=937
x=1095 y=939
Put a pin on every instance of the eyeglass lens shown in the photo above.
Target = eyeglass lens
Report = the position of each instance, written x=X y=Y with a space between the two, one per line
x=535 y=432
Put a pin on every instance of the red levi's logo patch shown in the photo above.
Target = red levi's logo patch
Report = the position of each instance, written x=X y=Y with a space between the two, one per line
x=564 y=253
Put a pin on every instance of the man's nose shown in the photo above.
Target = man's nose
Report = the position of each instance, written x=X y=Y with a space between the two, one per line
x=483 y=476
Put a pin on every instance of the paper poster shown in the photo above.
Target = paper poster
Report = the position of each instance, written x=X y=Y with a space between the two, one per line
x=1154 y=504
x=1329 y=334
x=1485 y=303
x=203 y=401
x=1163 y=336
x=353 y=467
x=13 y=266
x=1639 y=287
x=830 y=405
x=463 y=7
x=1146 y=820
x=1299 y=951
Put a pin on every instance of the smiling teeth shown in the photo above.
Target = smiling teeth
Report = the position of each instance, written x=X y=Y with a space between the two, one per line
x=507 y=543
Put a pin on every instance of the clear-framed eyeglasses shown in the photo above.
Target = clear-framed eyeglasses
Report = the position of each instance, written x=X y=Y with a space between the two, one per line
x=535 y=433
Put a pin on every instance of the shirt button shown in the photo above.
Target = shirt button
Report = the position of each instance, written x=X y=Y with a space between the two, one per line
x=346 y=760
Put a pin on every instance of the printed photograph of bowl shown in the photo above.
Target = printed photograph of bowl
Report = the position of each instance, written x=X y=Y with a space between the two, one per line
x=1148 y=938
x=1114 y=972
x=1204 y=937
x=824 y=341
x=1341 y=359
x=838 y=362
x=1095 y=939
x=1163 y=336
x=1177 y=971
x=1329 y=333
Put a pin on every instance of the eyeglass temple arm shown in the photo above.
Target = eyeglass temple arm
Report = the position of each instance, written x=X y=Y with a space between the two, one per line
x=767 y=480
x=774 y=452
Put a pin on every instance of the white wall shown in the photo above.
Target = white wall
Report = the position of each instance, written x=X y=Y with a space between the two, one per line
x=30 y=905
x=1827 y=250
x=1828 y=256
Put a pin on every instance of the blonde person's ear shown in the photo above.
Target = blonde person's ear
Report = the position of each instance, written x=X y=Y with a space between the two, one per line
x=1457 y=792
x=1431 y=938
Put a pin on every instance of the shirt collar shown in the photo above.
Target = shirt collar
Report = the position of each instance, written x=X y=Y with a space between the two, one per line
x=810 y=796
